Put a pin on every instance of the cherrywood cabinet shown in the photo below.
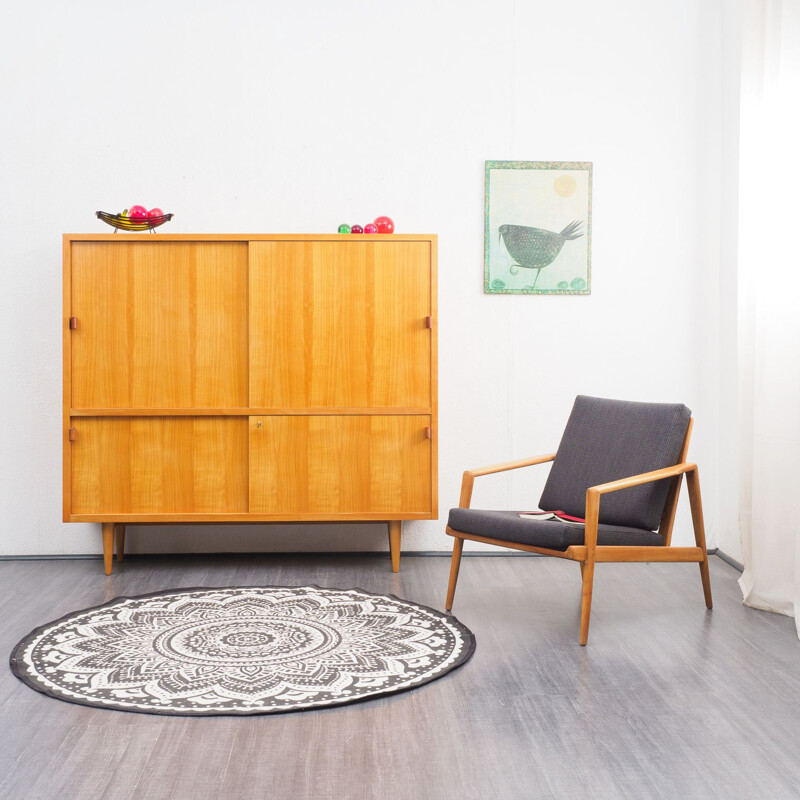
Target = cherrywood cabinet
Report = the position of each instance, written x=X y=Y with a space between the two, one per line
x=235 y=378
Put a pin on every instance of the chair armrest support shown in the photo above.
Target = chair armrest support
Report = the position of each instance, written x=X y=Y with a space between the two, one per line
x=594 y=493
x=470 y=474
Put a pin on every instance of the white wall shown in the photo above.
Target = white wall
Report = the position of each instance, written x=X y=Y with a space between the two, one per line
x=294 y=117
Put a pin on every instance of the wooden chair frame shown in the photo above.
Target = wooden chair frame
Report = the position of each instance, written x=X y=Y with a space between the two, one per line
x=590 y=553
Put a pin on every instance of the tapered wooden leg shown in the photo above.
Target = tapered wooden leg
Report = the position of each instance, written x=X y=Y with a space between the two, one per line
x=706 y=579
x=120 y=534
x=696 y=503
x=458 y=544
x=586 y=599
x=108 y=546
x=395 y=533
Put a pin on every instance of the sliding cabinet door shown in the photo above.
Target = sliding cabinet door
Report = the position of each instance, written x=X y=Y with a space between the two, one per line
x=340 y=324
x=159 y=465
x=159 y=325
x=359 y=464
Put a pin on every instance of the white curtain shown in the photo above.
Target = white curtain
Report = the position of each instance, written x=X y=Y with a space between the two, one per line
x=769 y=306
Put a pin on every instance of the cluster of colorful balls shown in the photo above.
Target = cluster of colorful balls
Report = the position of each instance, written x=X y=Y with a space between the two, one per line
x=381 y=225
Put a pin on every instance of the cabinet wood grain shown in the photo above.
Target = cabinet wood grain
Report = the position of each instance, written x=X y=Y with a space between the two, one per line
x=340 y=324
x=308 y=464
x=126 y=465
x=160 y=324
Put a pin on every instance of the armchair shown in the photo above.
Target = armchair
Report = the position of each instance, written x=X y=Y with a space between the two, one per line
x=631 y=454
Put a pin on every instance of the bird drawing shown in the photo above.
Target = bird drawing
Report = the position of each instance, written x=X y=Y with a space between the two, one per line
x=535 y=248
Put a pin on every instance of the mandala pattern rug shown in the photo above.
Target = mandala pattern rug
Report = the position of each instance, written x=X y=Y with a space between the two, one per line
x=242 y=650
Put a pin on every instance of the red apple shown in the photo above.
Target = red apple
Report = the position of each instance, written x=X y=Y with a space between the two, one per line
x=137 y=212
x=155 y=212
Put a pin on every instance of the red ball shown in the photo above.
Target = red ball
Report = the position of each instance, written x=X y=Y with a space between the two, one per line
x=155 y=212
x=370 y=228
x=384 y=225
x=137 y=212
x=356 y=229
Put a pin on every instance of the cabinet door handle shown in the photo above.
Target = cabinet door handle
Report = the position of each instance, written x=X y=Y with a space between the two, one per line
x=428 y=322
x=73 y=434
x=73 y=323
x=428 y=433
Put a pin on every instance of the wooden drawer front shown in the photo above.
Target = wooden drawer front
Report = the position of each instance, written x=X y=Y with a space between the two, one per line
x=340 y=324
x=339 y=465
x=155 y=465
x=160 y=325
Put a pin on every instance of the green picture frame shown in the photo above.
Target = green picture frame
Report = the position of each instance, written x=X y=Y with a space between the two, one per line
x=538 y=227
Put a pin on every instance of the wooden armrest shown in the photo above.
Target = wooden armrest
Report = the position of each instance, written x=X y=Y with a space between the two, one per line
x=525 y=462
x=594 y=493
x=645 y=477
x=471 y=474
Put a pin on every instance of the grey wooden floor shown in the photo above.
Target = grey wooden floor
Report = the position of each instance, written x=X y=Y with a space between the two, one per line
x=667 y=701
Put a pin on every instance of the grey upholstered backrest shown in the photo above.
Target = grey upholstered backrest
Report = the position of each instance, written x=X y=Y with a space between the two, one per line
x=606 y=440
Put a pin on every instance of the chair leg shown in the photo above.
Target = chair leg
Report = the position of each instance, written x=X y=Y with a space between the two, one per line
x=706 y=579
x=458 y=544
x=586 y=599
x=696 y=503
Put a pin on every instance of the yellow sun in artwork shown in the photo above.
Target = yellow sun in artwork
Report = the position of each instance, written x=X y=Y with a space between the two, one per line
x=565 y=186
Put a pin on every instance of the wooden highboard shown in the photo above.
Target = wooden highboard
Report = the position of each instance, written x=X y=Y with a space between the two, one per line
x=249 y=378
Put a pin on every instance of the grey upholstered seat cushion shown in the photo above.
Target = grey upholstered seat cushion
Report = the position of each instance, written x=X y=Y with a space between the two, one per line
x=549 y=533
x=606 y=440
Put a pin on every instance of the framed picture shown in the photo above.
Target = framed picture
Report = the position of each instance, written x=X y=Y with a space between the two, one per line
x=538 y=227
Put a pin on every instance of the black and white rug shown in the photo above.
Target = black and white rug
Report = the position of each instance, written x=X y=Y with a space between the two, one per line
x=242 y=650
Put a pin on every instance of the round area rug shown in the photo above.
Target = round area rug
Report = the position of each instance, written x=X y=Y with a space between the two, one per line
x=240 y=650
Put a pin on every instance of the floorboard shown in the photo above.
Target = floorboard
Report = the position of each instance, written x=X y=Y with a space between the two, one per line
x=667 y=701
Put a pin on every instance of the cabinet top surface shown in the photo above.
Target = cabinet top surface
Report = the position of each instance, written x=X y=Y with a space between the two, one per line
x=249 y=237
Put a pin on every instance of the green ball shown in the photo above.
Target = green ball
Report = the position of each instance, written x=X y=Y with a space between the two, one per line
x=344 y=229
